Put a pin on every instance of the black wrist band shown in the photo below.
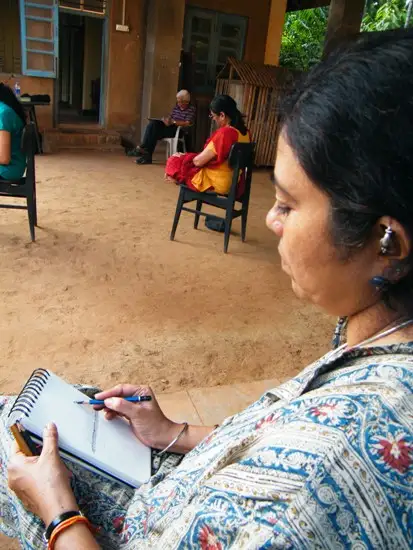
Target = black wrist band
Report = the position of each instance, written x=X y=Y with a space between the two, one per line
x=58 y=520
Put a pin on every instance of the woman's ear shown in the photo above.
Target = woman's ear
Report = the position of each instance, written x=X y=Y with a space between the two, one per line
x=394 y=243
x=393 y=247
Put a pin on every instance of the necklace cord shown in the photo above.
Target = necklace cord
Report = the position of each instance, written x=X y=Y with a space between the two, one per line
x=373 y=338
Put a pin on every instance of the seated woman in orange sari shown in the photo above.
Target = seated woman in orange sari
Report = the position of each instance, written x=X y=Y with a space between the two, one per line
x=209 y=170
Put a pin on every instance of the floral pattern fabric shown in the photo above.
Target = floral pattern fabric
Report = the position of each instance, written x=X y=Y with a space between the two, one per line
x=324 y=461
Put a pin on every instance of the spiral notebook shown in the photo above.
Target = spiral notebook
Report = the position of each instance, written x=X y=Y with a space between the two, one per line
x=85 y=436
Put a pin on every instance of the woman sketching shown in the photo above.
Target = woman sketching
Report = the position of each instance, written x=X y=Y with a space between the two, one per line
x=325 y=460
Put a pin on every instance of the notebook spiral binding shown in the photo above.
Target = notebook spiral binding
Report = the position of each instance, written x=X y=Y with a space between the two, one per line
x=31 y=391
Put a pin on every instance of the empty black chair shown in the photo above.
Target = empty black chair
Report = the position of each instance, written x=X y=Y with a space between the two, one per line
x=240 y=160
x=25 y=188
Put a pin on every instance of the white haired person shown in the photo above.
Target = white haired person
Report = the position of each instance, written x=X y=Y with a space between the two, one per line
x=324 y=461
x=183 y=114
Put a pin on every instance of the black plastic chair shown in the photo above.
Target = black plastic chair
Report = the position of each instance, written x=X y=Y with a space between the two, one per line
x=25 y=188
x=240 y=160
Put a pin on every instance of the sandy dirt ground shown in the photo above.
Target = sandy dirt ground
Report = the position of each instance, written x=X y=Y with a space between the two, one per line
x=103 y=296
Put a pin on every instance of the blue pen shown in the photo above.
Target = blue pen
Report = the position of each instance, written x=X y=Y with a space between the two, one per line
x=134 y=399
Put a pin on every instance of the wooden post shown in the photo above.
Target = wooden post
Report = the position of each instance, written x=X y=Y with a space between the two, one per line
x=344 y=20
x=275 y=30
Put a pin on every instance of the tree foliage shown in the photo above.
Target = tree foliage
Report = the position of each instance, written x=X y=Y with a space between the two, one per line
x=304 y=31
x=303 y=37
x=384 y=15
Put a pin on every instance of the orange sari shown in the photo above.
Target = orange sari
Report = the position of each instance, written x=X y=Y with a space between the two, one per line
x=217 y=174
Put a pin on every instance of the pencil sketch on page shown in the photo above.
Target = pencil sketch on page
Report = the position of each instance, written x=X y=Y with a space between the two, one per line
x=95 y=430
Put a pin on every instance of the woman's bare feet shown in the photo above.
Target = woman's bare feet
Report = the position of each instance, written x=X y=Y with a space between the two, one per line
x=168 y=179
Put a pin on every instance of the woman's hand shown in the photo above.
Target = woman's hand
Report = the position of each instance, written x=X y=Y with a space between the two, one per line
x=42 y=482
x=5 y=147
x=204 y=157
x=147 y=420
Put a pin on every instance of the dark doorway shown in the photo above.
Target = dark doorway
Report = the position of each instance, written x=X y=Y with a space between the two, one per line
x=80 y=67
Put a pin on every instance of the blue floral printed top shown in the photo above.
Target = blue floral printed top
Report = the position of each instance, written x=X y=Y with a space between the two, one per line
x=325 y=461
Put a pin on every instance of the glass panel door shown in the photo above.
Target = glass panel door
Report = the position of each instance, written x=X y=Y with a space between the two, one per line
x=231 y=32
x=199 y=30
x=212 y=37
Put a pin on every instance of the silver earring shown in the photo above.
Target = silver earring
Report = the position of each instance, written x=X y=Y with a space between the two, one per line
x=385 y=240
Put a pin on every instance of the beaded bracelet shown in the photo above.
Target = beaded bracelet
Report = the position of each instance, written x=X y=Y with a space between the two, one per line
x=65 y=525
x=172 y=443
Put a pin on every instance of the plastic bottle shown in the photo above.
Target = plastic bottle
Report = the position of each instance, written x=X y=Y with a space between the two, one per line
x=17 y=90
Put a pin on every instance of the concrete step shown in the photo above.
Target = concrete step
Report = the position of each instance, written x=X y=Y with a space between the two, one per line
x=64 y=138
x=109 y=147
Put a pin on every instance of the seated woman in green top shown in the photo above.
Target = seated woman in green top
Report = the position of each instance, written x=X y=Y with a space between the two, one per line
x=12 y=122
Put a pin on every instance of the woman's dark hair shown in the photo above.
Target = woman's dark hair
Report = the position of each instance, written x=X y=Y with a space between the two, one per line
x=8 y=98
x=350 y=124
x=225 y=104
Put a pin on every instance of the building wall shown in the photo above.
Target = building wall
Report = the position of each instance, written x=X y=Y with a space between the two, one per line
x=124 y=69
x=125 y=65
x=258 y=14
x=126 y=55
x=32 y=85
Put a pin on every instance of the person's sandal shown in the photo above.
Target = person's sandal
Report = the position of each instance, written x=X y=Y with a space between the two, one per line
x=143 y=160
x=134 y=153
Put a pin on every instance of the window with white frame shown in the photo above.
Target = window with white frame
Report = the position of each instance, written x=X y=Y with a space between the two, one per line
x=85 y=6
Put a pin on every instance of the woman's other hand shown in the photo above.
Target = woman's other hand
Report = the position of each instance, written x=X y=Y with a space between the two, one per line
x=147 y=420
x=5 y=147
x=42 y=482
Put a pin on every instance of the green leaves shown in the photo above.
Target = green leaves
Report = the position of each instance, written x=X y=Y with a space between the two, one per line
x=303 y=37
x=304 y=31
x=384 y=15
